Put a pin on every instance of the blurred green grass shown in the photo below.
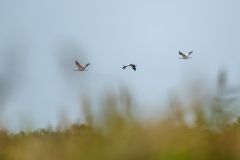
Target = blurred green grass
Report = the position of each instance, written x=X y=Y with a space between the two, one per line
x=120 y=136
x=116 y=133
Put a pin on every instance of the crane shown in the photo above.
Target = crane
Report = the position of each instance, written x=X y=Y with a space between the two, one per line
x=185 y=56
x=80 y=68
x=132 y=65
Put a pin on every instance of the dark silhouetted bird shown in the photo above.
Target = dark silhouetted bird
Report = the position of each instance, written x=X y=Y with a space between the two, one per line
x=132 y=65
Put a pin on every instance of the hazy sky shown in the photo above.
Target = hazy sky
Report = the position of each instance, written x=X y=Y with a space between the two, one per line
x=40 y=41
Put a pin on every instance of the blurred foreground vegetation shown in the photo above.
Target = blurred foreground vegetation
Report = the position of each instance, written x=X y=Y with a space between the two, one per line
x=120 y=137
x=116 y=133
x=164 y=141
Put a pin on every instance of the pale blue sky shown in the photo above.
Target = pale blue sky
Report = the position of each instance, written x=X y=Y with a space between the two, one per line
x=44 y=38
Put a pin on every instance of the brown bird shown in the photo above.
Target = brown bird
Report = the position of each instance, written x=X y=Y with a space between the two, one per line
x=80 y=68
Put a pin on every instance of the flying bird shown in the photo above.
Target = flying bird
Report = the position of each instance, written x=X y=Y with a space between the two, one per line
x=80 y=68
x=185 y=56
x=132 y=65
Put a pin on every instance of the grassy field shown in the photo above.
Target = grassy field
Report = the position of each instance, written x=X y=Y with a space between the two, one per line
x=120 y=136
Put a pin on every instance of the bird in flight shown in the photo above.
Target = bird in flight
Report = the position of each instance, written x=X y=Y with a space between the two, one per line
x=185 y=56
x=80 y=68
x=132 y=65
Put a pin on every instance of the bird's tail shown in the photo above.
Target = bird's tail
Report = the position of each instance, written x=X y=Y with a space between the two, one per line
x=123 y=67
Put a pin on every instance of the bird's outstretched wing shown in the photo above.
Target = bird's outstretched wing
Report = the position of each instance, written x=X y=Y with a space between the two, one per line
x=86 y=65
x=124 y=67
x=79 y=66
x=190 y=52
x=134 y=67
x=182 y=54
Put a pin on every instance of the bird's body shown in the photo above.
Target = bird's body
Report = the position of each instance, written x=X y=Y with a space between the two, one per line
x=80 y=68
x=132 y=65
x=185 y=56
